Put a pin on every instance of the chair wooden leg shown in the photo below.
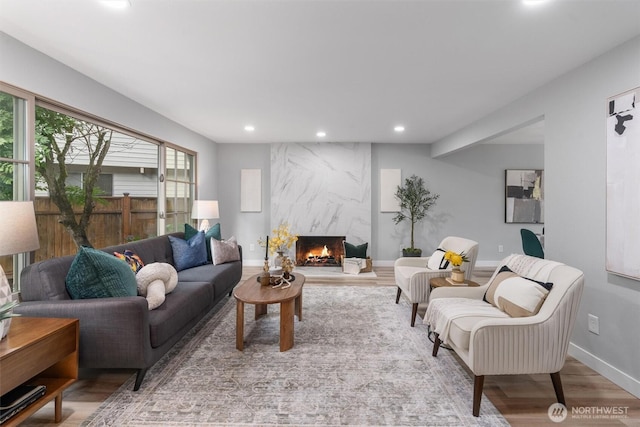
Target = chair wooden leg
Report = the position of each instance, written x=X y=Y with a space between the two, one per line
x=478 y=383
x=436 y=344
x=557 y=386
x=398 y=294
x=414 y=312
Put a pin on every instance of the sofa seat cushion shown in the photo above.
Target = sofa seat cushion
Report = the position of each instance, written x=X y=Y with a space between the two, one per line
x=222 y=278
x=181 y=309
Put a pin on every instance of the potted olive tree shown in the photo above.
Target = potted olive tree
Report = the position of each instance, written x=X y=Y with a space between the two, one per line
x=415 y=201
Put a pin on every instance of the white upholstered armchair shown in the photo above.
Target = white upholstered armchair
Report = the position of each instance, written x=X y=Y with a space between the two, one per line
x=412 y=274
x=495 y=340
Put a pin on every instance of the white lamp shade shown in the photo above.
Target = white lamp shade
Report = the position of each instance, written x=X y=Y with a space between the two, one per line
x=205 y=209
x=19 y=229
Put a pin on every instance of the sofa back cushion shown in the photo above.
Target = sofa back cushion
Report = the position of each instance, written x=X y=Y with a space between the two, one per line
x=45 y=280
x=153 y=249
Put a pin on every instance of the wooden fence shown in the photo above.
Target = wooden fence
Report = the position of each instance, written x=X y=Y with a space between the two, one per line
x=119 y=220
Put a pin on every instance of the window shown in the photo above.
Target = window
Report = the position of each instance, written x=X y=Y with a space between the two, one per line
x=15 y=164
x=80 y=159
x=179 y=189
x=50 y=153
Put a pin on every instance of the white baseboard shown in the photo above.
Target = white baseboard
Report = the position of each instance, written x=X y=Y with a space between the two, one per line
x=481 y=264
x=376 y=263
x=608 y=371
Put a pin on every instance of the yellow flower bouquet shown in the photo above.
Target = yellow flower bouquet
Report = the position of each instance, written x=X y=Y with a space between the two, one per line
x=280 y=240
x=456 y=259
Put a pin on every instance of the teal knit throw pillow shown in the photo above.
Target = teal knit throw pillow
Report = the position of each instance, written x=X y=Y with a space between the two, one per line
x=97 y=274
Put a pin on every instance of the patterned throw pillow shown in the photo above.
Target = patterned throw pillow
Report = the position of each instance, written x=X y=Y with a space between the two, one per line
x=96 y=274
x=213 y=232
x=189 y=253
x=516 y=295
x=224 y=251
x=437 y=261
x=353 y=251
x=130 y=258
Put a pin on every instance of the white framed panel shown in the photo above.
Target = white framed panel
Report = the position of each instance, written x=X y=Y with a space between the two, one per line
x=390 y=179
x=251 y=190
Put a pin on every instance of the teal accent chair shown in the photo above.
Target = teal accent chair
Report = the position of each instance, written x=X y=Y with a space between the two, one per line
x=531 y=244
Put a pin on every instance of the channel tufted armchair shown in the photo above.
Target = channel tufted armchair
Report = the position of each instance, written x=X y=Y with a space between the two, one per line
x=511 y=325
x=412 y=274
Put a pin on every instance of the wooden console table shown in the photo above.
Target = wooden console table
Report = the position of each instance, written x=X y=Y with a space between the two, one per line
x=39 y=351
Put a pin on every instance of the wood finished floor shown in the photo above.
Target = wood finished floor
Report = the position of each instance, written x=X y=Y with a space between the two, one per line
x=523 y=399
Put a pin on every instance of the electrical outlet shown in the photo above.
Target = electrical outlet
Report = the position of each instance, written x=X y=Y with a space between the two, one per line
x=594 y=324
x=252 y=247
x=500 y=248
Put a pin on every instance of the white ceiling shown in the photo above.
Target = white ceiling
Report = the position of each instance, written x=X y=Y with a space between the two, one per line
x=351 y=68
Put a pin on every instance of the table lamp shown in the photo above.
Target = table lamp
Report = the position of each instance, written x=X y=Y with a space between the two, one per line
x=205 y=210
x=19 y=234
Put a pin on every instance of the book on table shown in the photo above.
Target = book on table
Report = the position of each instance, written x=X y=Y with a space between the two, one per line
x=454 y=283
x=16 y=400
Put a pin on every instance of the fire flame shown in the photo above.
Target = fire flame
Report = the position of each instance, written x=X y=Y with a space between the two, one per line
x=323 y=253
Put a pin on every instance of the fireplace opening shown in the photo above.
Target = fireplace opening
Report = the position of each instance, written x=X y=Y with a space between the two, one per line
x=319 y=251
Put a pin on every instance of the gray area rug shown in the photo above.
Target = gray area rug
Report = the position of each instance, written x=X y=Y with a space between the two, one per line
x=355 y=362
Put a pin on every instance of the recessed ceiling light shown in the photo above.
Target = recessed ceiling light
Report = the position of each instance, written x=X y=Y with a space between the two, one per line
x=116 y=4
x=533 y=2
x=321 y=134
x=249 y=128
x=399 y=128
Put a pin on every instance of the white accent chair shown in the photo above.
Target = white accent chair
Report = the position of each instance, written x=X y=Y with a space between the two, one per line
x=412 y=274
x=494 y=343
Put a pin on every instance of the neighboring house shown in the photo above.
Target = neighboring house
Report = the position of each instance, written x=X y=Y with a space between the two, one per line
x=131 y=166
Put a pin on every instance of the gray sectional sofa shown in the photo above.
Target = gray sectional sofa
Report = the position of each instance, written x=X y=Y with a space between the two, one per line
x=121 y=332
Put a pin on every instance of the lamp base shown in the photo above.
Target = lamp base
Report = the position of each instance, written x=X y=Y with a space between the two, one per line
x=204 y=225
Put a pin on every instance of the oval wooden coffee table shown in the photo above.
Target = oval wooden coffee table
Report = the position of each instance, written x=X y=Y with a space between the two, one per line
x=290 y=300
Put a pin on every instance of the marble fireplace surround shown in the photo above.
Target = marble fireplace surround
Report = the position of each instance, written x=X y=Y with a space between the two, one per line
x=322 y=189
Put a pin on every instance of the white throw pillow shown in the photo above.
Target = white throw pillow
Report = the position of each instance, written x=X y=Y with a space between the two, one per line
x=437 y=261
x=516 y=295
x=224 y=251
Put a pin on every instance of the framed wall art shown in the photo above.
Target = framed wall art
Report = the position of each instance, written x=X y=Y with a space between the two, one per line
x=623 y=181
x=390 y=179
x=250 y=190
x=524 y=196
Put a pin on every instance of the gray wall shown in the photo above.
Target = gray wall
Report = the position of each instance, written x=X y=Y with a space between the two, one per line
x=470 y=184
x=471 y=204
x=247 y=227
x=574 y=107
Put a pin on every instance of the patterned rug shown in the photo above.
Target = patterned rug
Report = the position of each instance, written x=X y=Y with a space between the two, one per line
x=355 y=362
